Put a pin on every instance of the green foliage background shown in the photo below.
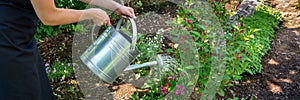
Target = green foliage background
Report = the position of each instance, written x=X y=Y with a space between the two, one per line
x=50 y=31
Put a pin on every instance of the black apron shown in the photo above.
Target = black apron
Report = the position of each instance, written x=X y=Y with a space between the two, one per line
x=22 y=72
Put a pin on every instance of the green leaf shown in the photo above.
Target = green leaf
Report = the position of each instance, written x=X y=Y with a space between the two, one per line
x=191 y=83
x=221 y=93
x=196 y=33
x=200 y=27
x=190 y=67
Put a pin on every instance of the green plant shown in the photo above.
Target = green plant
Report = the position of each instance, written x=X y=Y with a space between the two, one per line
x=246 y=42
x=204 y=27
x=49 y=31
x=149 y=47
x=137 y=4
x=59 y=71
x=260 y=32
x=171 y=79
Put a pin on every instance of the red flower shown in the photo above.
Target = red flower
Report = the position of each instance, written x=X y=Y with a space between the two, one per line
x=242 y=31
x=196 y=18
x=190 y=29
x=167 y=84
x=238 y=57
x=163 y=90
x=179 y=90
x=172 y=78
x=167 y=78
x=189 y=21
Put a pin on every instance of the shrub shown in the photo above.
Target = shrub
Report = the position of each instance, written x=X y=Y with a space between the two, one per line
x=49 y=31
x=246 y=42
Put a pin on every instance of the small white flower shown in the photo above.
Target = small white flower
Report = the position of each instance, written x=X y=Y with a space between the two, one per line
x=176 y=45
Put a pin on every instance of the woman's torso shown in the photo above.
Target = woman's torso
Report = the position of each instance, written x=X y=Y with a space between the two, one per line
x=18 y=21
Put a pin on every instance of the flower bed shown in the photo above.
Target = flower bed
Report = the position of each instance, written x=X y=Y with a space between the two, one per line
x=240 y=50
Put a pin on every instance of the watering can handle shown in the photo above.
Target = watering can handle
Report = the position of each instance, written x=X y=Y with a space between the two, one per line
x=134 y=31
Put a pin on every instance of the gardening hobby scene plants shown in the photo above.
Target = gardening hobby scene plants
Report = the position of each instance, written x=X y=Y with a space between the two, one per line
x=177 y=50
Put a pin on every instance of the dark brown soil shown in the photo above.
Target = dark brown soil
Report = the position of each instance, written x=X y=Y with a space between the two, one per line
x=280 y=78
x=56 y=48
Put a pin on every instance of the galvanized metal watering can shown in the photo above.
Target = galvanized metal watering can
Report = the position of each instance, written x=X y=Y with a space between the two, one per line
x=112 y=52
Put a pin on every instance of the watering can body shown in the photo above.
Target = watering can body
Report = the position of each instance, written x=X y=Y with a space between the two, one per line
x=111 y=53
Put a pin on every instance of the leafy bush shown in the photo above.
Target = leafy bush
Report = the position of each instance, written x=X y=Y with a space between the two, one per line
x=49 y=31
x=260 y=32
x=246 y=41
x=59 y=71
x=161 y=84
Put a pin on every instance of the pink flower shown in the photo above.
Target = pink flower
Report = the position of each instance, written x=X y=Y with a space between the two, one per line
x=213 y=0
x=176 y=92
x=62 y=78
x=47 y=64
x=189 y=21
x=172 y=78
x=163 y=90
x=179 y=90
x=238 y=57
x=47 y=69
x=54 y=70
x=196 y=18
x=190 y=29
x=167 y=84
x=69 y=64
x=180 y=87
x=237 y=24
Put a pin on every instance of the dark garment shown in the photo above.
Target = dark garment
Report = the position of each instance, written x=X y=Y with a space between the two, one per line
x=22 y=72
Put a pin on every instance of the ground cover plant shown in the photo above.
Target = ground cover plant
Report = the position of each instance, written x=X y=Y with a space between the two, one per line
x=246 y=42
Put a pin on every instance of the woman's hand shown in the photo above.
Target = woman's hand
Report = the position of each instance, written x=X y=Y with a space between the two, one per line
x=125 y=11
x=98 y=16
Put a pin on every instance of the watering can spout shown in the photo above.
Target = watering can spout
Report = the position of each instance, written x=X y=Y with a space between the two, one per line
x=159 y=61
x=137 y=66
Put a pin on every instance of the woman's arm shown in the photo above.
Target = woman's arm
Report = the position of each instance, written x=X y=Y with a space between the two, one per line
x=50 y=15
x=107 y=4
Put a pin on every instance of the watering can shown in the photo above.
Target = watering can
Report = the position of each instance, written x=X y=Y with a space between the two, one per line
x=112 y=52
